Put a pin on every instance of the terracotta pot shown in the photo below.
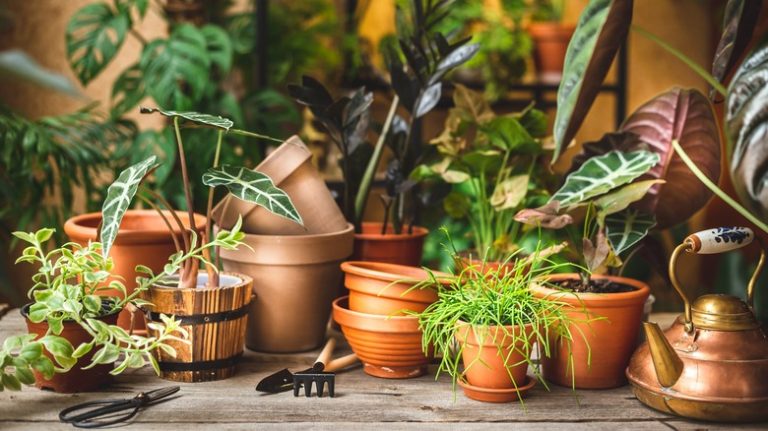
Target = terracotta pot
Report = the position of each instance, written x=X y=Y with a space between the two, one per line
x=295 y=279
x=143 y=239
x=492 y=358
x=492 y=266
x=611 y=338
x=388 y=346
x=76 y=379
x=550 y=43
x=290 y=168
x=216 y=320
x=388 y=289
x=402 y=249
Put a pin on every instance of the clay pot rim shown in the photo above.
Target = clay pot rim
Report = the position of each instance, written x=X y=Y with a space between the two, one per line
x=244 y=281
x=337 y=304
x=297 y=238
x=24 y=311
x=640 y=294
x=550 y=29
x=460 y=325
x=389 y=272
x=75 y=228
x=373 y=323
x=418 y=232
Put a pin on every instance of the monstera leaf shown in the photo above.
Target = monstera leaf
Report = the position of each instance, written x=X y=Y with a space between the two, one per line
x=738 y=26
x=119 y=196
x=254 y=187
x=94 y=36
x=601 y=174
x=686 y=116
x=602 y=28
x=627 y=228
x=746 y=120
x=214 y=121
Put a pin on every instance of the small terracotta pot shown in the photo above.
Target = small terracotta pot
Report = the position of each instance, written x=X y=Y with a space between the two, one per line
x=76 y=379
x=295 y=279
x=402 y=249
x=290 y=168
x=388 y=289
x=494 y=356
x=388 y=346
x=143 y=239
x=550 y=43
x=609 y=323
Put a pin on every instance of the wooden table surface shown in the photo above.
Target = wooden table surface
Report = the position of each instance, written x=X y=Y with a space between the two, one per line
x=361 y=402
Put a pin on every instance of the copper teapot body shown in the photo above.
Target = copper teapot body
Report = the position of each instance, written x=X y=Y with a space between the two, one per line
x=712 y=363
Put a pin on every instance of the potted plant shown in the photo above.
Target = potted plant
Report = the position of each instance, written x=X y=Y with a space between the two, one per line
x=550 y=39
x=487 y=326
x=73 y=338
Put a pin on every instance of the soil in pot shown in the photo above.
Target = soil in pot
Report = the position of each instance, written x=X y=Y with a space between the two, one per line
x=76 y=379
x=609 y=323
x=403 y=249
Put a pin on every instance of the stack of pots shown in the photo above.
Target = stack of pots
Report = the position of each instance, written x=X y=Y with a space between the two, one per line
x=295 y=269
x=377 y=321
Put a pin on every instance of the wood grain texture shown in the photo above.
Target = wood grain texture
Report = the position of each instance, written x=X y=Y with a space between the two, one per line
x=361 y=401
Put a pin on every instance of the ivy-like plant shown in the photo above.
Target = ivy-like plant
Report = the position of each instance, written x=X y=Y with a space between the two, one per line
x=66 y=289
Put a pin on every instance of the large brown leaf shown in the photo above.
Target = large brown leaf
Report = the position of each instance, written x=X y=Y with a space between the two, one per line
x=684 y=115
x=738 y=25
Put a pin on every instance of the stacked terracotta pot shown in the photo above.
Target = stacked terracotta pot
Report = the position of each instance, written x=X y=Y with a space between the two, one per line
x=378 y=317
x=295 y=269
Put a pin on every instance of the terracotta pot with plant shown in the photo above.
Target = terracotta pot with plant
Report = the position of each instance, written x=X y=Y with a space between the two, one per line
x=73 y=340
x=488 y=324
x=550 y=39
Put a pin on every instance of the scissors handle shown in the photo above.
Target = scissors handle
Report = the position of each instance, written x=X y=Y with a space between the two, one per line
x=82 y=415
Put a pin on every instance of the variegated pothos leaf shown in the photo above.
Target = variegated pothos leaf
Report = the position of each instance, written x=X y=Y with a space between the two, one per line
x=195 y=117
x=255 y=187
x=601 y=174
x=119 y=196
x=627 y=228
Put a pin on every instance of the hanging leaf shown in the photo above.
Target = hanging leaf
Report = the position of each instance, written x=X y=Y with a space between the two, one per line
x=456 y=58
x=620 y=199
x=20 y=66
x=119 y=196
x=685 y=116
x=127 y=91
x=428 y=99
x=510 y=192
x=214 y=121
x=547 y=216
x=94 y=36
x=627 y=228
x=738 y=25
x=255 y=187
x=602 y=174
x=746 y=125
x=601 y=30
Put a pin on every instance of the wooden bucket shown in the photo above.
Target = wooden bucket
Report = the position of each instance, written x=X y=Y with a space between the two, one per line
x=216 y=319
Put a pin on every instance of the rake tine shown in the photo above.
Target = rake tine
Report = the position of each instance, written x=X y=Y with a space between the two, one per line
x=320 y=388
x=307 y=388
x=331 y=387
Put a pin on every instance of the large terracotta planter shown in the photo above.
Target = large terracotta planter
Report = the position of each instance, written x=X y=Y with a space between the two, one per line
x=290 y=168
x=388 y=346
x=216 y=320
x=388 y=289
x=402 y=249
x=550 y=43
x=143 y=239
x=609 y=323
x=295 y=279
x=76 y=379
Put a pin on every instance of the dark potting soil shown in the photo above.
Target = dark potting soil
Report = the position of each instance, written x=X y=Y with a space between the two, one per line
x=595 y=286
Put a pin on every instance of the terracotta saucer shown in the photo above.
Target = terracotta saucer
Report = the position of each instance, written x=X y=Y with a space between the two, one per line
x=497 y=395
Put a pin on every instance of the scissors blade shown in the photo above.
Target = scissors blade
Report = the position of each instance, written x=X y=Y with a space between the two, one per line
x=153 y=396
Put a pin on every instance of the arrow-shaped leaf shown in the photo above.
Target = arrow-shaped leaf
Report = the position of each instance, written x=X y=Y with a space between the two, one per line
x=254 y=187
x=627 y=228
x=195 y=117
x=119 y=196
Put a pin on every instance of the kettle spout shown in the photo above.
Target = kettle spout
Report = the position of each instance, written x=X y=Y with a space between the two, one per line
x=666 y=362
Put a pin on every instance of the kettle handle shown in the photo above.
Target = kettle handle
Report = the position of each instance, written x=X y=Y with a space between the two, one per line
x=712 y=241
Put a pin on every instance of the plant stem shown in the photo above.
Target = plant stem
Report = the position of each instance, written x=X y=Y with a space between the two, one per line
x=213 y=276
x=175 y=216
x=365 y=184
x=188 y=272
x=682 y=57
x=138 y=36
x=715 y=189
x=253 y=135
x=176 y=243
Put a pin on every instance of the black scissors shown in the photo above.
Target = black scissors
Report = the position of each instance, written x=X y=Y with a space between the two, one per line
x=96 y=414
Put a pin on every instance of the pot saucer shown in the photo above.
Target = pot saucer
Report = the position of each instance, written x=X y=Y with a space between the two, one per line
x=497 y=395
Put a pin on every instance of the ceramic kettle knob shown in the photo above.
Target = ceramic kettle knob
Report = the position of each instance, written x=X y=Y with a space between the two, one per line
x=720 y=240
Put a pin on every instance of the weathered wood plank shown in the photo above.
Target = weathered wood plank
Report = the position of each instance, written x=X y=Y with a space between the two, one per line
x=234 y=403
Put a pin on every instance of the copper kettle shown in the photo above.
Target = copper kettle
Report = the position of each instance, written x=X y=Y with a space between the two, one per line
x=712 y=363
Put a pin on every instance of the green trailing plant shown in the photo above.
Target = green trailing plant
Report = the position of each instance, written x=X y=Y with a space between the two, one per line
x=492 y=162
x=67 y=290
x=501 y=298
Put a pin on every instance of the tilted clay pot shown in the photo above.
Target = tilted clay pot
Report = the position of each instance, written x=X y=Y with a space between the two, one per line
x=388 y=289
x=550 y=43
x=388 y=346
x=143 y=239
x=609 y=323
x=76 y=379
x=494 y=357
x=295 y=280
x=290 y=168
x=403 y=249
